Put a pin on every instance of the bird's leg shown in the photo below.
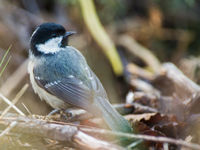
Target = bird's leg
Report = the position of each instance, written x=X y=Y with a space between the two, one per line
x=75 y=114
x=66 y=114
x=70 y=114
x=53 y=112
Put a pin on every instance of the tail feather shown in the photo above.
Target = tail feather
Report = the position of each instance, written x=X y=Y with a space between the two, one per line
x=113 y=119
x=116 y=122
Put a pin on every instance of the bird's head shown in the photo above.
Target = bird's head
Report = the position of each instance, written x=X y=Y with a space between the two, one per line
x=49 y=38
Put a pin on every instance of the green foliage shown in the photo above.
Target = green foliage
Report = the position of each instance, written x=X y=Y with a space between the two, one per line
x=68 y=2
x=190 y=3
x=110 y=10
x=176 y=5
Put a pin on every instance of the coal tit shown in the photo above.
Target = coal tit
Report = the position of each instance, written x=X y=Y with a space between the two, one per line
x=60 y=75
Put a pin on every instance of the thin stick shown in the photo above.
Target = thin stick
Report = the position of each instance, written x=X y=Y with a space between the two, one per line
x=137 y=106
x=26 y=109
x=11 y=104
x=12 y=125
x=145 y=137
x=15 y=100
x=139 y=71
x=140 y=51
x=165 y=146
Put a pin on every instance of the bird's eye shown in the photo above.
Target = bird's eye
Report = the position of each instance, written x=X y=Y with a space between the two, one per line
x=54 y=35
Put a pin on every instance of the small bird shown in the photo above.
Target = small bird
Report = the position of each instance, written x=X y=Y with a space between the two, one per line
x=60 y=75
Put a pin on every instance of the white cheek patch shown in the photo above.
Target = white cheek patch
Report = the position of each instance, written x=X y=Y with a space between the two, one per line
x=51 y=46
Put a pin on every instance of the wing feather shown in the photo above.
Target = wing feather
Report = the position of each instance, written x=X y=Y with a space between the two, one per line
x=70 y=90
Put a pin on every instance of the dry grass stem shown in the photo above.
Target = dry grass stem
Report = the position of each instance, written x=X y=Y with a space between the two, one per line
x=4 y=56
x=26 y=108
x=12 y=125
x=11 y=104
x=11 y=83
x=15 y=100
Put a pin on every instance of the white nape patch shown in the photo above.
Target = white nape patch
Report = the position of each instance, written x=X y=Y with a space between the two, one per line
x=51 y=46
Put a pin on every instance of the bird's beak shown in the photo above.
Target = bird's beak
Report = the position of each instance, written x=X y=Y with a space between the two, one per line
x=64 y=41
x=69 y=33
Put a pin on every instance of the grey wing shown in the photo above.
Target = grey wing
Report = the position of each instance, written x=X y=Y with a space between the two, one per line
x=96 y=85
x=70 y=90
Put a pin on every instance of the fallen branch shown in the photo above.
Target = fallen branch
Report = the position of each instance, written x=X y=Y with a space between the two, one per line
x=183 y=93
x=77 y=135
x=53 y=130
x=138 y=50
x=182 y=86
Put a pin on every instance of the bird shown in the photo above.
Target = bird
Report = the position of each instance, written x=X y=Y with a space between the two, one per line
x=60 y=75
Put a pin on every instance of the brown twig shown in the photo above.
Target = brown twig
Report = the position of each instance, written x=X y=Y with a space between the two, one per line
x=138 y=50
x=180 y=85
x=145 y=137
x=140 y=72
x=138 y=107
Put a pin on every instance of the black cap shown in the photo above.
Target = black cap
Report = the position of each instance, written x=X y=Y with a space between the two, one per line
x=43 y=33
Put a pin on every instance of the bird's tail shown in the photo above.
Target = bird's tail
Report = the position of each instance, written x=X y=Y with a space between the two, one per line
x=112 y=118
x=116 y=122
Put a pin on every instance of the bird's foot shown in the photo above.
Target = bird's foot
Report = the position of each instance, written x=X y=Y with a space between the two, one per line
x=64 y=115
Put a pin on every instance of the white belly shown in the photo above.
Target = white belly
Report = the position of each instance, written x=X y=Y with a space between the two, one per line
x=50 y=99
